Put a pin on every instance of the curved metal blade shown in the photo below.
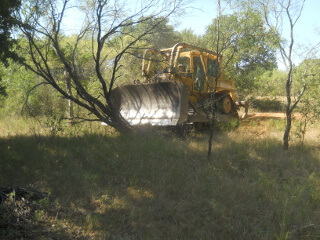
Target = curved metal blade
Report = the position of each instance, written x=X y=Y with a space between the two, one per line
x=159 y=104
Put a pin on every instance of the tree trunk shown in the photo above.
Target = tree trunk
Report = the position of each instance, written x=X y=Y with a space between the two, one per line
x=287 y=130
x=210 y=138
x=69 y=91
x=213 y=109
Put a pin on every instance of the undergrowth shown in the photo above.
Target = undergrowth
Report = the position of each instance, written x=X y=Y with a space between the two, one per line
x=154 y=186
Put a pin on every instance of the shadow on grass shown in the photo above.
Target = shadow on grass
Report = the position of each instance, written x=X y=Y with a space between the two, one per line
x=154 y=187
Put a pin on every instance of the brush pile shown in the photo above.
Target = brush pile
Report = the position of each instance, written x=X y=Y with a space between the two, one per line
x=20 y=211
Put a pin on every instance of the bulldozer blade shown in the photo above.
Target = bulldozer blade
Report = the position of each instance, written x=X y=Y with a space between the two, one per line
x=156 y=104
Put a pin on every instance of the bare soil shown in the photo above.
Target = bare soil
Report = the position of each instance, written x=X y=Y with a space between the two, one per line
x=267 y=115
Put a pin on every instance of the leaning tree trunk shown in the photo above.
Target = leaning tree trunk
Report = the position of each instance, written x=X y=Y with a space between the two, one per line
x=69 y=91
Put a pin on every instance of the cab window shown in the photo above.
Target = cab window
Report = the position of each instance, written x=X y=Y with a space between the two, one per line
x=184 y=64
x=213 y=68
x=199 y=76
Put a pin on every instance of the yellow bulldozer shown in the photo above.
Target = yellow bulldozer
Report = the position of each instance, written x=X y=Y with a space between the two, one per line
x=181 y=86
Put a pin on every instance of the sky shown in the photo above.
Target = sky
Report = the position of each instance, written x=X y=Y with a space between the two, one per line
x=204 y=11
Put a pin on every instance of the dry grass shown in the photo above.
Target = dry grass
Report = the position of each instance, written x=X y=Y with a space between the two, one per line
x=155 y=186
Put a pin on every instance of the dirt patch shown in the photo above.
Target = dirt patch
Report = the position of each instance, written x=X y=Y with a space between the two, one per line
x=266 y=115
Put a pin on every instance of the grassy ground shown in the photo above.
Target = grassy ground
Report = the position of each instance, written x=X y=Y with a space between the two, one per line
x=104 y=185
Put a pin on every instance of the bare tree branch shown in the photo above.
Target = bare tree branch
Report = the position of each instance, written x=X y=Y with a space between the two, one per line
x=104 y=22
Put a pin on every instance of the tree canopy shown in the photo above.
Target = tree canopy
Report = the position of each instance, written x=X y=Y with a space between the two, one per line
x=246 y=43
x=7 y=22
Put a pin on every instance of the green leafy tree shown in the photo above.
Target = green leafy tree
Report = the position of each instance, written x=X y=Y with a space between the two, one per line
x=18 y=83
x=308 y=72
x=7 y=22
x=270 y=83
x=248 y=46
x=189 y=37
x=2 y=86
x=162 y=36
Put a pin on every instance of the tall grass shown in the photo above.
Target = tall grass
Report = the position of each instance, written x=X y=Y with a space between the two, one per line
x=155 y=186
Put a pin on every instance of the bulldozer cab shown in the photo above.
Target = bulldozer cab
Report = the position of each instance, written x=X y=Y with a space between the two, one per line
x=197 y=68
